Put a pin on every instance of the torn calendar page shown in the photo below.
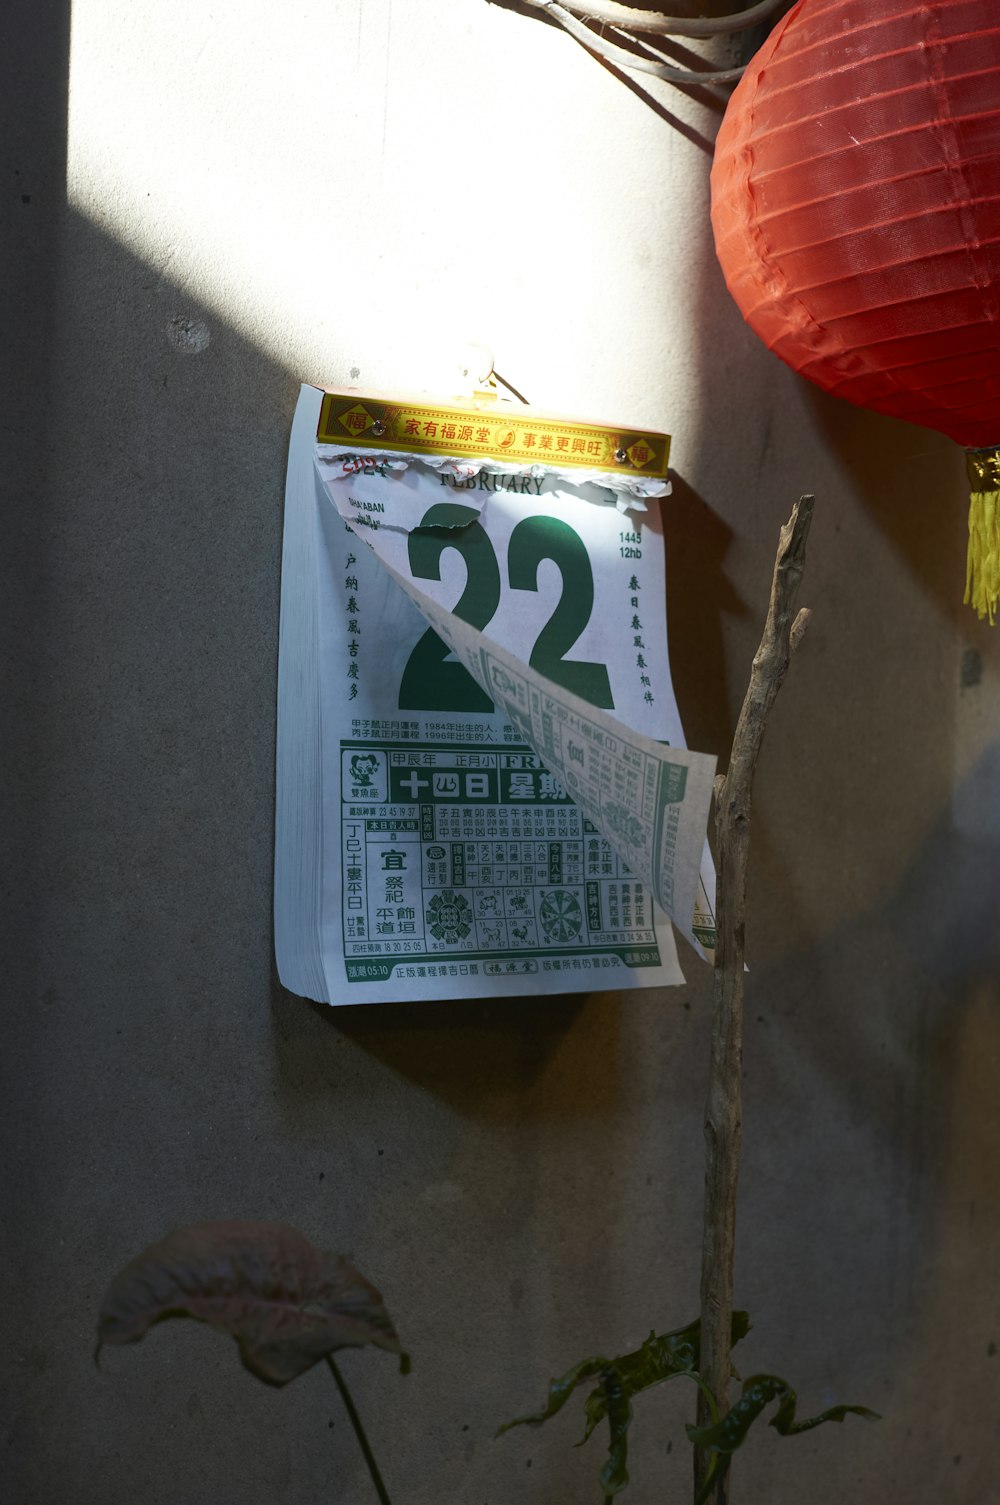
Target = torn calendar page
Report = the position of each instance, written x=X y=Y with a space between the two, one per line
x=649 y=801
x=463 y=848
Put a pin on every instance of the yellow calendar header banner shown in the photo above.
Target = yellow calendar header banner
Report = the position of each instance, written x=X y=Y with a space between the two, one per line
x=515 y=435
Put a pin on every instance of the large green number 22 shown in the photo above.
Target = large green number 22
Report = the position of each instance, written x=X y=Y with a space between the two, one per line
x=429 y=682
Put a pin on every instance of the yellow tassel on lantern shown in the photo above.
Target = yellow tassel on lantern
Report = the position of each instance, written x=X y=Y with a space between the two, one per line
x=982 y=576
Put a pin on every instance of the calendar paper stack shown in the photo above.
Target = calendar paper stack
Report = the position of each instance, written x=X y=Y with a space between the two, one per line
x=482 y=785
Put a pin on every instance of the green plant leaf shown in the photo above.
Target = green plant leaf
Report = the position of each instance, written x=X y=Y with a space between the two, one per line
x=287 y=1304
x=760 y=1390
x=614 y=1474
x=560 y=1391
x=718 y=1463
x=659 y=1359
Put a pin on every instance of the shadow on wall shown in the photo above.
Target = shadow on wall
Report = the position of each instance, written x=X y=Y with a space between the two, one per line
x=150 y=577
x=912 y=483
x=871 y=1154
x=700 y=596
x=482 y=1056
x=34 y=69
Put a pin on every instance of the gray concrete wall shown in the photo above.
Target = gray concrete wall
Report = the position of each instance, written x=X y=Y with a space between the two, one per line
x=358 y=188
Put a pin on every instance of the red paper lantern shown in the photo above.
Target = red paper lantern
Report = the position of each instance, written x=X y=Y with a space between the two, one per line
x=856 y=207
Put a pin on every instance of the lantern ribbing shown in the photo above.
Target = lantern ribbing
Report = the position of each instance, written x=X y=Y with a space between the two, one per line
x=856 y=208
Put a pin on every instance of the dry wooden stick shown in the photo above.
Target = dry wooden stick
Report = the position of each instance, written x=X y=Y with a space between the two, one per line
x=723 y=1109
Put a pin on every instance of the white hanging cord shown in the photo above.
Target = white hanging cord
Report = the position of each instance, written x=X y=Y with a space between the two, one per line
x=624 y=16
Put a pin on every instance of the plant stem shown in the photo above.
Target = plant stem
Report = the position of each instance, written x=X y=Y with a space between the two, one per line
x=359 y=1432
x=723 y=1109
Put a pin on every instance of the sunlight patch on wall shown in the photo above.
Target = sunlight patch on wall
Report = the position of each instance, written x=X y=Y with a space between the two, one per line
x=355 y=186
